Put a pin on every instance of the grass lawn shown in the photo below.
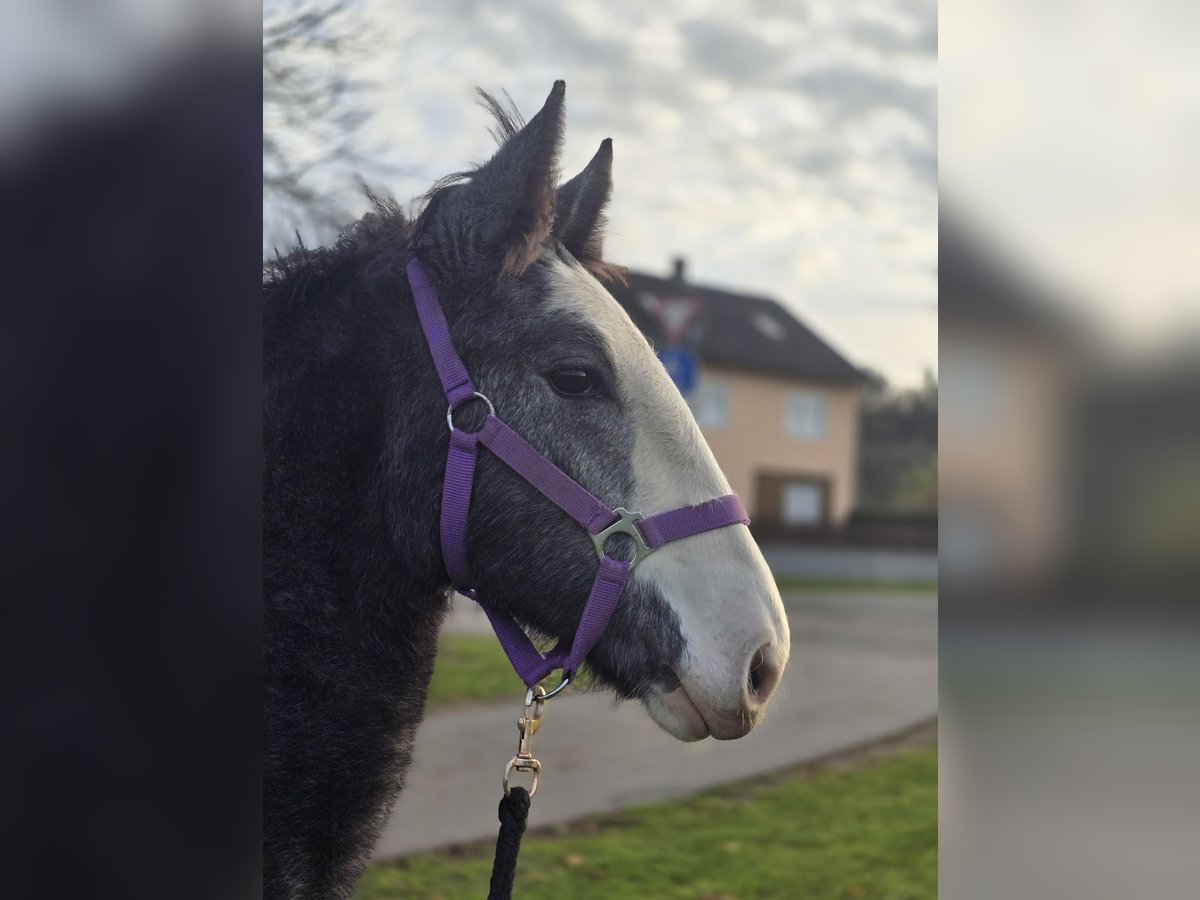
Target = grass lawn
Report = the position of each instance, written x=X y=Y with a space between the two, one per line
x=472 y=667
x=829 y=832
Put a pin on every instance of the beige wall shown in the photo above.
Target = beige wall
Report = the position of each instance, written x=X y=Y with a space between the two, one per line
x=756 y=440
x=1001 y=430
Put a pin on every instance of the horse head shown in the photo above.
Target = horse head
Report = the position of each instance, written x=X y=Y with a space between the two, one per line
x=700 y=636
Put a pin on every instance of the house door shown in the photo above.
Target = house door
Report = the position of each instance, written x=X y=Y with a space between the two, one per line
x=792 y=501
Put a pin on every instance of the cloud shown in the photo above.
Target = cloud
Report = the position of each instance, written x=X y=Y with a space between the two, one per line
x=888 y=38
x=823 y=161
x=782 y=151
x=922 y=161
x=727 y=48
x=848 y=91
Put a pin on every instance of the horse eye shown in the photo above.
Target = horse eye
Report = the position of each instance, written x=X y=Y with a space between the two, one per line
x=573 y=383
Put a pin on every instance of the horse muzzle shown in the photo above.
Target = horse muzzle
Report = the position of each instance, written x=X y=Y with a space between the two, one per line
x=728 y=709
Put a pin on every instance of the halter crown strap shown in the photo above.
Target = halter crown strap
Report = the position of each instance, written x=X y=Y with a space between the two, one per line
x=456 y=383
x=573 y=498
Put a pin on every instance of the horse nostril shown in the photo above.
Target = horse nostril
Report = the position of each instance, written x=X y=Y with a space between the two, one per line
x=763 y=675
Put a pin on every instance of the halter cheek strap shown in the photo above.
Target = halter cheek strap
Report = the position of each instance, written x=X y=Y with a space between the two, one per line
x=592 y=514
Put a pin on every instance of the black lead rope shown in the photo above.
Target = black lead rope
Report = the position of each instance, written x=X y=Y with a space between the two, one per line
x=514 y=812
x=514 y=804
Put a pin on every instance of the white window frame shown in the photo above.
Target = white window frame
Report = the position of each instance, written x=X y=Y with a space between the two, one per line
x=972 y=395
x=709 y=403
x=805 y=415
x=817 y=493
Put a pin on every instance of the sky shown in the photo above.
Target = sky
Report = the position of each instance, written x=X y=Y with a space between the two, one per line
x=1081 y=160
x=784 y=149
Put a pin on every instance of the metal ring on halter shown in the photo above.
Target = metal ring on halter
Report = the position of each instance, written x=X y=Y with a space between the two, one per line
x=523 y=765
x=475 y=396
x=558 y=690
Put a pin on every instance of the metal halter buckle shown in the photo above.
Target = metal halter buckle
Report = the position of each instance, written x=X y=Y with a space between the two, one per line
x=528 y=725
x=475 y=396
x=626 y=524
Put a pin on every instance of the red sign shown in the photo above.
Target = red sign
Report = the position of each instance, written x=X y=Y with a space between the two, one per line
x=674 y=314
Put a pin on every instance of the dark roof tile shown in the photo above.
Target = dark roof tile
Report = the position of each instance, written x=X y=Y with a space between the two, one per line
x=738 y=331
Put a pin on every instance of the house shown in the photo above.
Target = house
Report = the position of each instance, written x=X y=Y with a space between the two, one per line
x=1008 y=362
x=1064 y=470
x=777 y=404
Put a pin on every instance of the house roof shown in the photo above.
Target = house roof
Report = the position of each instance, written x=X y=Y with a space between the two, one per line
x=735 y=330
x=977 y=285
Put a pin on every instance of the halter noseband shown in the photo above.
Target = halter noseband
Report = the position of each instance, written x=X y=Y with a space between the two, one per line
x=600 y=522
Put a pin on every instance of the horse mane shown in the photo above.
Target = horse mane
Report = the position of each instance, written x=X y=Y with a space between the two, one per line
x=380 y=239
x=385 y=228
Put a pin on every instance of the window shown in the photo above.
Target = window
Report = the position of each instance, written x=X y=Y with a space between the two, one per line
x=710 y=403
x=968 y=542
x=805 y=415
x=972 y=391
x=802 y=503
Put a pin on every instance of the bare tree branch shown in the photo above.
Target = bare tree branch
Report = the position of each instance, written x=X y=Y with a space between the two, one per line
x=314 y=110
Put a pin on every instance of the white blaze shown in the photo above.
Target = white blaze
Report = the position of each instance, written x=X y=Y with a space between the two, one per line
x=717 y=583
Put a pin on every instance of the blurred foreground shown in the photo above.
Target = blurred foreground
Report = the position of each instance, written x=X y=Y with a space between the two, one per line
x=1070 y=450
x=129 y=450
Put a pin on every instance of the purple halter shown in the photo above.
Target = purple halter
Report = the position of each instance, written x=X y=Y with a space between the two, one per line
x=648 y=533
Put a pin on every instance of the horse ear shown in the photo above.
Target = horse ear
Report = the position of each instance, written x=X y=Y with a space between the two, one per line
x=579 y=217
x=508 y=205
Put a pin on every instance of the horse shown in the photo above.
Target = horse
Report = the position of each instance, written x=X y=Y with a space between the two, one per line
x=355 y=443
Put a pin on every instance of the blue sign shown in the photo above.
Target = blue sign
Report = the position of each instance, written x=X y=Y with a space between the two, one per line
x=682 y=366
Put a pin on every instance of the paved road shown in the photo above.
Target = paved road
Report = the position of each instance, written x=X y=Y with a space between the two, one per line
x=863 y=665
